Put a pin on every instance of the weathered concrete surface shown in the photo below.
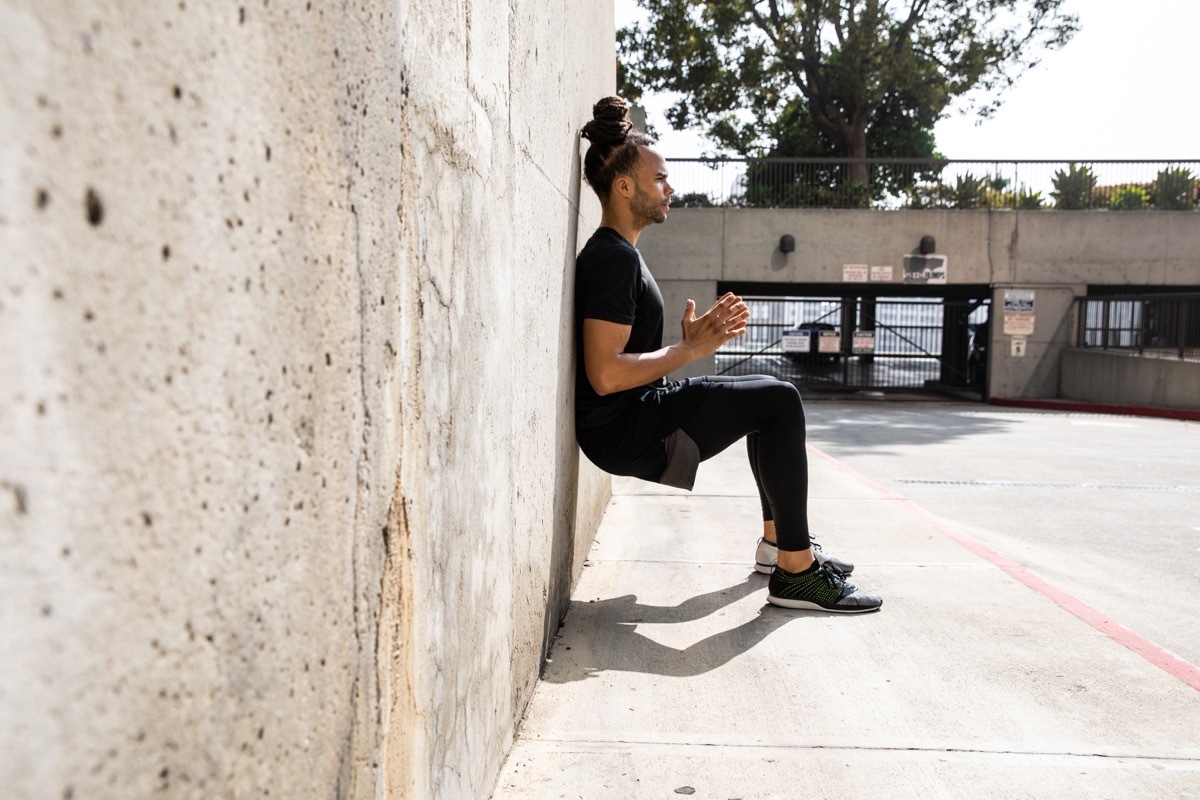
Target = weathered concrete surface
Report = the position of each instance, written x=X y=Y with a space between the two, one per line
x=673 y=672
x=982 y=247
x=1100 y=377
x=289 y=495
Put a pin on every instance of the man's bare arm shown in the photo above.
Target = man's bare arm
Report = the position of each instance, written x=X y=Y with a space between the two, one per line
x=610 y=369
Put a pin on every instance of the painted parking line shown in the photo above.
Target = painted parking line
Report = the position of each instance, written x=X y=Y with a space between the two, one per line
x=1183 y=670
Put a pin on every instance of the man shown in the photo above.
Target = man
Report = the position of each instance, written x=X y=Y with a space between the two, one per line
x=630 y=421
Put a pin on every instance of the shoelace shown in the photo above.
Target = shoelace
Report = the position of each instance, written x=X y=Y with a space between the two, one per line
x=834 y=578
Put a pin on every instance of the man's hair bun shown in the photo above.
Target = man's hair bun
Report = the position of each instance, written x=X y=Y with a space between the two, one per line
x=614 y=144
x=610 y=122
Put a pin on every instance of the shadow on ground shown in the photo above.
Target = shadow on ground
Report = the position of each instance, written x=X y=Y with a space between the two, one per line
x=603 y=636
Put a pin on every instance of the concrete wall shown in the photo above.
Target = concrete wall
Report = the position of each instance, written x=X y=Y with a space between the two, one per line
x=289 y=495
x=1058 y=254
x=1097 y=376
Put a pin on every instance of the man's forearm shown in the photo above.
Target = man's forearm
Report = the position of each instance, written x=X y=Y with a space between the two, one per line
x=630 y=370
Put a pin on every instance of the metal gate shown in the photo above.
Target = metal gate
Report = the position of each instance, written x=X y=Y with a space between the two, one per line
x=838 y=343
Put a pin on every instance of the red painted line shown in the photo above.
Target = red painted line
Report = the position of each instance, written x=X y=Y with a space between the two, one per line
x=1170 y=663
x=1187 y=414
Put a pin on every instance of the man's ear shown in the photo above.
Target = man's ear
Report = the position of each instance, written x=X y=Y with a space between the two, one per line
x=623 y=185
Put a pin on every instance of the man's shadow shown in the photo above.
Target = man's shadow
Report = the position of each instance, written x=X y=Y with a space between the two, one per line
x=602 y=635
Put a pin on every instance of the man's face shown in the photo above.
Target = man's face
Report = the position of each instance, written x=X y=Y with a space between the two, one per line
x=651 y=192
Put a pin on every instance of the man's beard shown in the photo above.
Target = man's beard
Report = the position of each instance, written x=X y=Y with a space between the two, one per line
x=645 y=210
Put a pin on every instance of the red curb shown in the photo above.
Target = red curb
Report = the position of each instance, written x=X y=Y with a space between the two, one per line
x=1077 y=406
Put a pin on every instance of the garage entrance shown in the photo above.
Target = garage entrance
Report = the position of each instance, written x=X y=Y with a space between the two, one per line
x=825 y=338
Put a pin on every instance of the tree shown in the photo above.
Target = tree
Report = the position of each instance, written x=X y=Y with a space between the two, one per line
x=844 y=78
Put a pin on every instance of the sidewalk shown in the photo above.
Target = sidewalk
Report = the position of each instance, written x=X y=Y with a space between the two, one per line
x=1039 y=571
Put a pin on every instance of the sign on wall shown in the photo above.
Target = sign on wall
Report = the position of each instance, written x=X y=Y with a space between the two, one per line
x=1019 y=316
x=864 y=273
x=924 y=269
x=855 y=273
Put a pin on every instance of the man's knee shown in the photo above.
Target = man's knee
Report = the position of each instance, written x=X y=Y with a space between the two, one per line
x=785 y=395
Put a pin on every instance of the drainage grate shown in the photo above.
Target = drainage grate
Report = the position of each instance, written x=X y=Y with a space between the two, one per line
x=1104 y=487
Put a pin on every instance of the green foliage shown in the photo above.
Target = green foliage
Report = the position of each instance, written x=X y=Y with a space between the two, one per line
x=822 y=186
x=1029 y=201
x=1073 y=189
x=1129 y=198
x=899 y=122
x=970 y=192
x=1174 y=189
x=818 y=78
x=693 y=200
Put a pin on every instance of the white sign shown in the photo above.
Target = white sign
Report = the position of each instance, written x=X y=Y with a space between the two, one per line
x=856 y=273
x=1018 y=347
x=863 y=342
x=924 y=269
x=883 y=274
x=1019 y=301
x=796 y=341
x=1019 y=317
x=831 y=342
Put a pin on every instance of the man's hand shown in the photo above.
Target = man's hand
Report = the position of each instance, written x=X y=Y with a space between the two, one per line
x=724 y=321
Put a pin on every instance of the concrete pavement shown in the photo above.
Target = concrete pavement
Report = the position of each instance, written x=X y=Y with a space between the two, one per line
x=1037 y=640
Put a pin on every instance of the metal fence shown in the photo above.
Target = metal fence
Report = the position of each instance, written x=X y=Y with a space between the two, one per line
x=1158 y=326
x=830 y=343
x=921 y=183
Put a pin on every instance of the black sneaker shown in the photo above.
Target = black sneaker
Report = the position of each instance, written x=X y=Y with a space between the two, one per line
x=821 y=588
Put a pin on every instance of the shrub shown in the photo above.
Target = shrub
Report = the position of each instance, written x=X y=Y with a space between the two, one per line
x=850 y=194
x=1001 y=199
x=930 y=195
x=971 y=192
x=1073 y=188
x=694 y=200
x=1029 y=201
x=1129 y=198
x=1174 y=189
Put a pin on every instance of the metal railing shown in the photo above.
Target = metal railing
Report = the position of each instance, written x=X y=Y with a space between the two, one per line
x=1152 y=325
x=897 y=183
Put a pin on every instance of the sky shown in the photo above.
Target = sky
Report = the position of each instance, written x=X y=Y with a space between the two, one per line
x=1124 y=87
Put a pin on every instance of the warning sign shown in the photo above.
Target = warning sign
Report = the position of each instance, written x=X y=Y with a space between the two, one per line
x=863 y=342
x=1019 y=317
x=831 y=342
x=796 y=342
x=855 y=273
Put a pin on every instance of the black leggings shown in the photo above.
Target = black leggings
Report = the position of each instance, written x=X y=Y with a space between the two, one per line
x=769 y=413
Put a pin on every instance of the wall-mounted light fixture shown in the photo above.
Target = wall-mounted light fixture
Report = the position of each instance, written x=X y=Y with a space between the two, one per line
x=928 y=245
x=787 y=243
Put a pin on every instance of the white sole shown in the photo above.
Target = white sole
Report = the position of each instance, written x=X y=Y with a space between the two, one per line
x=783 y=602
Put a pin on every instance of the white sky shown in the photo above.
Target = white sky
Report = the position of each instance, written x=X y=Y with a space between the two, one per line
x=1124 y=88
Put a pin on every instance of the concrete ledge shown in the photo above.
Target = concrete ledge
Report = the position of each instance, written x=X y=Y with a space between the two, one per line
x=1109 y=377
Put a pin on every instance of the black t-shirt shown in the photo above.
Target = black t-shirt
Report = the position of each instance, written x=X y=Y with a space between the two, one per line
x=612 y=283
